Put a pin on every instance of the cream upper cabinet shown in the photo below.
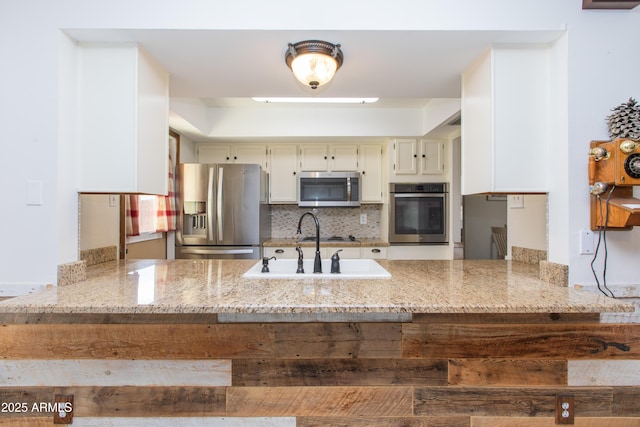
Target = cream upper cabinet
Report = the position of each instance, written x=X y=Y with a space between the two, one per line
x=431 y=156
x=233 y=153
x=123 y=120
x=283 y=177
x=371 y=173
x=506 y=107
x=418 y=156
x=405 y=156
x=343 y=157
x=214 y=153
x=323 y=158
x=314 y=157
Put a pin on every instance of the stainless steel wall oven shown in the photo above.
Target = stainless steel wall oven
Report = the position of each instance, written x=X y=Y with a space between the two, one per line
x=418 y=213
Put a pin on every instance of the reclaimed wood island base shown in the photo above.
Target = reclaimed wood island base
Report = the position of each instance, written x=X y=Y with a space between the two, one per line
x=442 y=343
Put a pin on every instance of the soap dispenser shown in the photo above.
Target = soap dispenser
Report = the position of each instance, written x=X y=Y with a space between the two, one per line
x=335 y=262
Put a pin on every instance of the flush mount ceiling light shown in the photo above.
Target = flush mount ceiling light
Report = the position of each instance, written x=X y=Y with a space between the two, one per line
x=317 y=100
x=314 y=62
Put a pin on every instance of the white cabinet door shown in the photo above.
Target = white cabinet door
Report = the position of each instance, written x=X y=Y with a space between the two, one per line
x=431 y=157
x=502 y=151
x=405 y=156
x=283 y=178
x=343 y=158
x=214 y=153
x=314 y=158
x=371 y=173
x=250 y=154
x=239 y=153
x=123 y=120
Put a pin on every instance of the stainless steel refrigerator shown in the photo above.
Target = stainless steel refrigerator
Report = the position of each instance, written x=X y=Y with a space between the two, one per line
x=223 y=211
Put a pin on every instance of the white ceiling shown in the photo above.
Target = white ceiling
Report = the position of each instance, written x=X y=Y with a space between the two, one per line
x=225 y=68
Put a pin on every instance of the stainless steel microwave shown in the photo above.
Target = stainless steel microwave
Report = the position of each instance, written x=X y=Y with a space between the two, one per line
x=326 y=189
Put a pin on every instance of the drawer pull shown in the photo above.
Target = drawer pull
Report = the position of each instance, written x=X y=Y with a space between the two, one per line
x=279 y=251
x=375 y=251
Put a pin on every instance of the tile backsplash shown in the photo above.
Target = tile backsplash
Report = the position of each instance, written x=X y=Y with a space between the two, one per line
x=333 y=221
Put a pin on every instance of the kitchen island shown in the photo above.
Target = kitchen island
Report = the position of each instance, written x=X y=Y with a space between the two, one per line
x=217 y=286
x=440 y=343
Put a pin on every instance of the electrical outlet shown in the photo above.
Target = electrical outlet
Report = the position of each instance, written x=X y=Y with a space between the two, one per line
x=565 y=409
x=516 y=201
x=63 y=409
x=363 y=218
x=113 y=200
x=586 y=242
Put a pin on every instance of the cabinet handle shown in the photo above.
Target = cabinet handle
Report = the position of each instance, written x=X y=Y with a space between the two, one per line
x=415 y=155
x=333 y=157
x=294 y=172
x=423 y=156
x=363 y=172
x=279 y=251
x=325 y=157
x=227 y=158
x=235 y=157
x=375 y=251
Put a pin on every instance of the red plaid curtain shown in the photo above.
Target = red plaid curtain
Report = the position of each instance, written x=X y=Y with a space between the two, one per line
x=132 y=215
x=166 y=215
x=166 y=212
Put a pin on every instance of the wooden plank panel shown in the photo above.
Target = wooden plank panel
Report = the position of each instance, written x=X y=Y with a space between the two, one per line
x=148 y=401
x=27 y=422
x=155 y=422
x=492 y=372
x=338 y=340
x=519 y=318
x=604 y=372
x=320 y=401
x=126 y=401
x=338 y=372
x=135 y=341
x=561 y=341
x=551 y=422
x=106 y=318
x=34 y=373
x=384 y=422
x=508 y=401
x=626 y=401
x=312 y=317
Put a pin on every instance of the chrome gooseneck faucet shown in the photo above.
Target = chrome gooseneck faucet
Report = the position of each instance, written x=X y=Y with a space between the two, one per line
x=317 y=263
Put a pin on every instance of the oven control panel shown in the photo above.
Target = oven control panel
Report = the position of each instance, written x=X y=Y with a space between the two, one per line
x=424 y=187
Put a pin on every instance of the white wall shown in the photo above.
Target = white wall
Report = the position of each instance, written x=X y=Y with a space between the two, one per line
x=601 y=72
x=99 y=221
x=527 y=225
x=480 y=215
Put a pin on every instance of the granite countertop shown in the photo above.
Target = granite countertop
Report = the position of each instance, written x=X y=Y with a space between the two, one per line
x=217 y=286
x=291 y=243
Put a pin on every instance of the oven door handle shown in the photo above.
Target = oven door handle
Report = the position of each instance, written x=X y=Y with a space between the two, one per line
x=415 y=195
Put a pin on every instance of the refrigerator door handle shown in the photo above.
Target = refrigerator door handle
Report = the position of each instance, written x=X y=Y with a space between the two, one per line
x=210 y=228
x=216 y=251
x=219 y=206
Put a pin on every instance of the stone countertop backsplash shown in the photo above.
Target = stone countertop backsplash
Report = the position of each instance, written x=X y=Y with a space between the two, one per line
x=291 y=243
x=218 y=286
x=333 y=222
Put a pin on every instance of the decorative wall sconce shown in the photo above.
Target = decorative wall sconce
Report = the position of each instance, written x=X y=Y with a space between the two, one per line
x=314 y=62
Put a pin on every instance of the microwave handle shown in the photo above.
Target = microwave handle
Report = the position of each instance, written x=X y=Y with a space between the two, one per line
x=349 y=189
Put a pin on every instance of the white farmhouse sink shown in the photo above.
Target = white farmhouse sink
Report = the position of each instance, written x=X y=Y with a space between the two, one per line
x=349 y=269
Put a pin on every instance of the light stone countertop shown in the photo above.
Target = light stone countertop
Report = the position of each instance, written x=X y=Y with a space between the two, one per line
x=217 y=286
x=292 y=243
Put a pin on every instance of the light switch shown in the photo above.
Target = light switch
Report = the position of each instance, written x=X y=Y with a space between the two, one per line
x=34 y=193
